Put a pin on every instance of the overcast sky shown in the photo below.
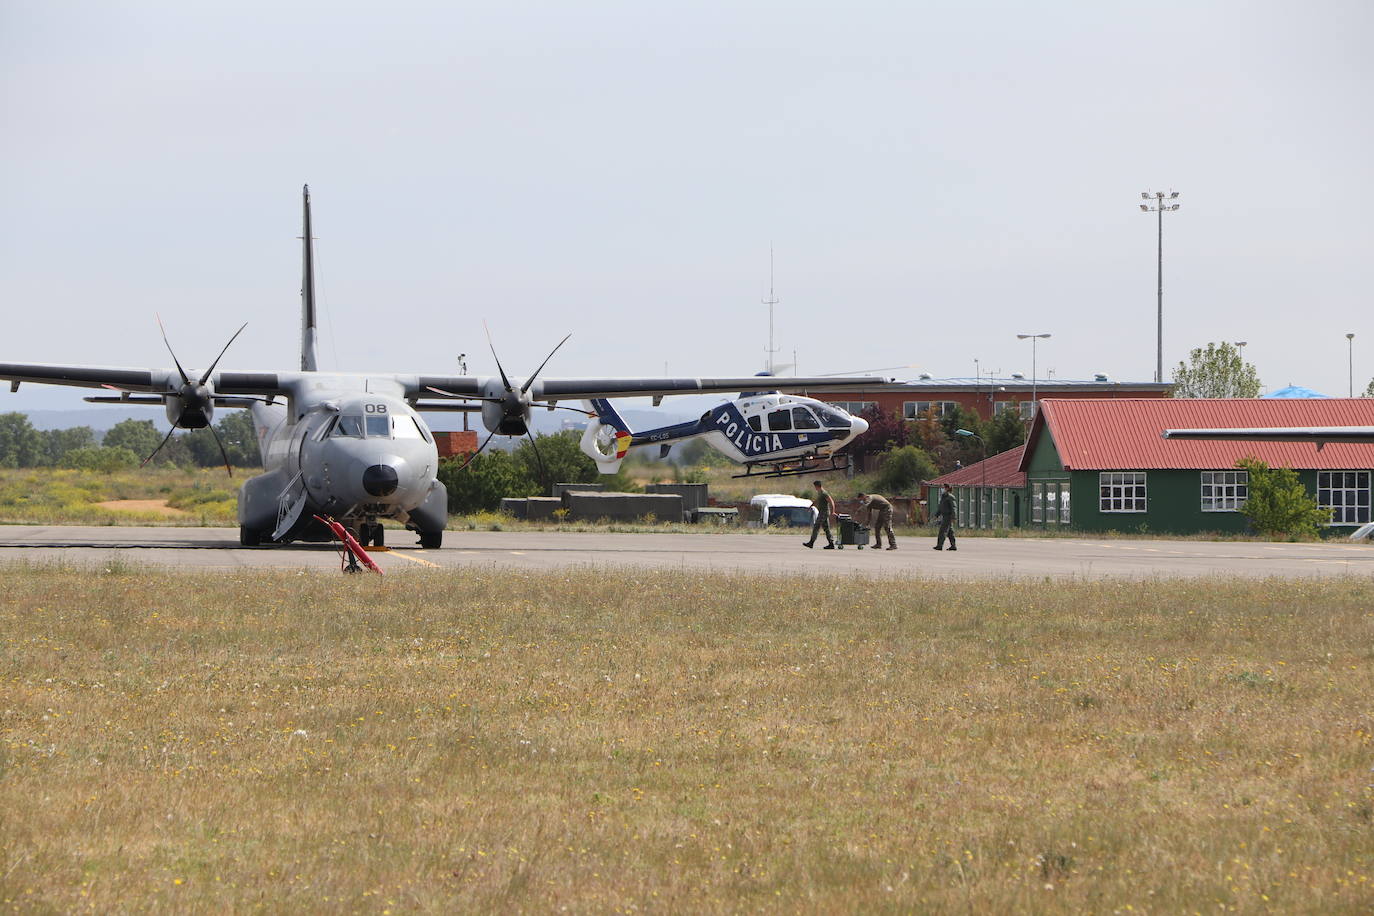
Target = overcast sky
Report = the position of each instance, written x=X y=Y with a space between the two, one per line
x=933 y=177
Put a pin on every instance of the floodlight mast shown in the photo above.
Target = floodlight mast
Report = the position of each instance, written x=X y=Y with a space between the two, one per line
x=1160 y=205
x=1035 y=403
x=771 y=301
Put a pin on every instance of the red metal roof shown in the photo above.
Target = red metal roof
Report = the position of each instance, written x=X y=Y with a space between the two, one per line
x=1002 y=470
x=1125 y=434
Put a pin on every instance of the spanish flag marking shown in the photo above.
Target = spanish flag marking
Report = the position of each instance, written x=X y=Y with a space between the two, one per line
x=622 y=443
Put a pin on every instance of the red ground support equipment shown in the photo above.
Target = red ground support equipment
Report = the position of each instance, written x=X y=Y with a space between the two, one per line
x=352 y=550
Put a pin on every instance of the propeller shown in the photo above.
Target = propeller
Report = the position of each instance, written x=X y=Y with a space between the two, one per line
x=511 y=406
x=195 y=401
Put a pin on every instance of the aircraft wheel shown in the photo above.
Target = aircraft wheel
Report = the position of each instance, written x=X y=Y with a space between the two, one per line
x=430 y=540
x=377 y=535
x=249 y=537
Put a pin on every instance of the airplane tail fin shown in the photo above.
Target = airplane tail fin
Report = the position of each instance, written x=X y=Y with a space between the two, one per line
x=308 y=363
x=608 y=438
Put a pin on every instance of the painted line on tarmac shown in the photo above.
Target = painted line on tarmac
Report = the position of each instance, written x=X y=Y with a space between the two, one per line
x=406 y=556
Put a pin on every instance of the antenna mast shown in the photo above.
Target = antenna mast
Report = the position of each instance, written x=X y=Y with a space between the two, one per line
x=771 y=301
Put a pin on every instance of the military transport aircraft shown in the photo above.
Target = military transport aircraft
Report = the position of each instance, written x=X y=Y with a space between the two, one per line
x=353 y=446
x=777 y=435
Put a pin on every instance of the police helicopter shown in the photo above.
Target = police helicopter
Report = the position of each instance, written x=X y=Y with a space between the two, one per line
x=770 y=433
x=353 y=447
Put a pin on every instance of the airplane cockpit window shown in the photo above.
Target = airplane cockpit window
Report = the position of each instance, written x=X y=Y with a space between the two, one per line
x=378 y=427
x=780 y=420
x=831 y=419
x=327 y=429
x=804 y=419
x=349 y=425
x=407 y=428
x=756 y=424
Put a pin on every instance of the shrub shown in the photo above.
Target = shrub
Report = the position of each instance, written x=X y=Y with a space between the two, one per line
x=1278 y=504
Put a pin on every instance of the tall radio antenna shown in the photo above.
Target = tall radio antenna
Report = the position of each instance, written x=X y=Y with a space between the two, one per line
x=771 y=301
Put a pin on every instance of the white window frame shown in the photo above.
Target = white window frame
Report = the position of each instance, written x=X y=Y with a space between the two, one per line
x=1353 y=505
x=1037 y=503
x=1224 y=491
x=1064 y=516
x=1028 y=409
x=1117 y=500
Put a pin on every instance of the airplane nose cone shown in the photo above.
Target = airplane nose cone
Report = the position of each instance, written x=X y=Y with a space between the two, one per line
x=381 y=480
x=860 y=426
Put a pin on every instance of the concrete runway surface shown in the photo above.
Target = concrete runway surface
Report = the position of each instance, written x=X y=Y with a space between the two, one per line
x=977 y=558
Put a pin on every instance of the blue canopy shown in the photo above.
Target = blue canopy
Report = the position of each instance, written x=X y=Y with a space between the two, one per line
x=1296 y=391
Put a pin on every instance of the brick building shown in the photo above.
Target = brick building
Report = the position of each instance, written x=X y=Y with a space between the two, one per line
x=985 y=397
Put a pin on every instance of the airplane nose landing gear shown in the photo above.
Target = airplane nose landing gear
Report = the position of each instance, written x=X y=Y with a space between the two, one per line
x=381 y=480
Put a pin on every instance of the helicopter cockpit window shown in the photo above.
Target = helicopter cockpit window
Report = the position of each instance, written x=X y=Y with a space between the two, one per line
x=832 y=420
x=349 y=425
x=780 y=420
x=378 y=427
x=756 y=424
x=804 y=419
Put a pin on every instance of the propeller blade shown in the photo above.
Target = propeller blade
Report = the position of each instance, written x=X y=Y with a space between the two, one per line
x=530 y=381
x=222 y=453
x=184 y=377
x=162 y=443
x=504 y=381
x=478 y=452
x=206 y=377
x=543 y=472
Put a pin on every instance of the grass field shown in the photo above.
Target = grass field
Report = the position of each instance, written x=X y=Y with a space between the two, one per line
x=519 y=742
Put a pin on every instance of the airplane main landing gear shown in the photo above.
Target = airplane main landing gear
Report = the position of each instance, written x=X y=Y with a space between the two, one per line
x=249 y=537
x=430 y=540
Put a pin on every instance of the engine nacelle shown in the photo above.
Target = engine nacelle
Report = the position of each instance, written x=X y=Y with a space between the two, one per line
x=191 y=407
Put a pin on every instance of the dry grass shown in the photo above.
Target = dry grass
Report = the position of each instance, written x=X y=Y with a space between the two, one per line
x=508 y=741
x=51 y=496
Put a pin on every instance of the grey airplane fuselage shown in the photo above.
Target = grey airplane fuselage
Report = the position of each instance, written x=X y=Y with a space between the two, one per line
x=354 y=449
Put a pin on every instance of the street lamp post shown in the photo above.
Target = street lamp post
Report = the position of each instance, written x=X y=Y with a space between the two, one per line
x=1350 y=362
x=982 y=468
x=1035 y=403
x=1159 y=206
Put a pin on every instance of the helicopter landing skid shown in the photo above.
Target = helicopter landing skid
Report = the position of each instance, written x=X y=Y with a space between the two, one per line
x=832 y=463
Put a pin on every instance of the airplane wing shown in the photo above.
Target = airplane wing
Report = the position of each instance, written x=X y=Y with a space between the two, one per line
x=157 y=381
x=568 y=389
x=1318 y=434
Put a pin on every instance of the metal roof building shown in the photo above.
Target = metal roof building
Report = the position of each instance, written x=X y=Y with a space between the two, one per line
x=1103 y=465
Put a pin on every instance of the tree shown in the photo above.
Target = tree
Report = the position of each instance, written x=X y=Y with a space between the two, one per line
x=97 y=458
x=1216 y=372
x=21 y=446
x=138 y=436
x=58 y=442
x=1005 y=431
x=699 y=453
x=886 y=430
x=1369 y=390
x=965 y=450
x=1278 y=504
x=564 y=460
x=482 y=484
x=903 y=469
